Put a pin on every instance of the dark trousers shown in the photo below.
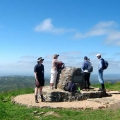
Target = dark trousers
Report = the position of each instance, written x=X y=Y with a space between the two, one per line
x=86 y=76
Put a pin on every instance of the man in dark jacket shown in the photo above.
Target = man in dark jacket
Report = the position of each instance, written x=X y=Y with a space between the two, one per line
x=39 y=79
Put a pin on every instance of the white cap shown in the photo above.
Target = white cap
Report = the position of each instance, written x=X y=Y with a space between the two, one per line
x=98 y=55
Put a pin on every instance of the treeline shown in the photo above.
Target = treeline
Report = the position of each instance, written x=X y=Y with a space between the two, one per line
x=16 y=82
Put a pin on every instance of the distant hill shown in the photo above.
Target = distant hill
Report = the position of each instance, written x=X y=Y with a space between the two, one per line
x=17 y=82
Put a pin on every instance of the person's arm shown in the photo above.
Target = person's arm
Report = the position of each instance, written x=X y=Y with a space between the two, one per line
x=36 y=78
x=43 y=71
x=100 y=65
x=83 y=66
x=35 y=75
x=58 y=61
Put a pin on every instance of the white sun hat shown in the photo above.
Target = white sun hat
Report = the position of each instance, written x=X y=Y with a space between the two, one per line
x=98 y=55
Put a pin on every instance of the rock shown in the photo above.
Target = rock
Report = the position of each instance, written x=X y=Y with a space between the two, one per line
x=52 y=113
x=35 y=112
x=59 y=95
x=70 y=74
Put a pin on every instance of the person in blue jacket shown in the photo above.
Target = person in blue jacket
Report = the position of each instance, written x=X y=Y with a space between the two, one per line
x=86 y=73
x=100 y=72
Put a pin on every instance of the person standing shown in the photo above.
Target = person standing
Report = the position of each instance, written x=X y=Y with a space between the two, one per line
x=86 y=73
x=54 y=71
x=39 y=79
x=89 y=72
x=100 y=72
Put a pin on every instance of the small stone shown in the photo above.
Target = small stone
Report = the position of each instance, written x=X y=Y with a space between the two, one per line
x=41 y=113
x=35 y=112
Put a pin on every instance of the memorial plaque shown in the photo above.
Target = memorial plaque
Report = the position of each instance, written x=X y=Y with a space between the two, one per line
x=78 y=79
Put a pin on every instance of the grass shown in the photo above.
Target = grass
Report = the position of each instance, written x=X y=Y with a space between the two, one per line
x=11 y=111
x=110 y=86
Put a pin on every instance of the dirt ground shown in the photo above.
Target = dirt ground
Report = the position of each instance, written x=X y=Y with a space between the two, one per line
x=112 y=102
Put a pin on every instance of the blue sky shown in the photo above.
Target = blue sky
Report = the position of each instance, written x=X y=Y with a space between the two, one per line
x=71 y=28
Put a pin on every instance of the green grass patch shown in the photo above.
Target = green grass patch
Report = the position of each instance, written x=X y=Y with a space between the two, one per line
x=109 y=86
x=11 y=111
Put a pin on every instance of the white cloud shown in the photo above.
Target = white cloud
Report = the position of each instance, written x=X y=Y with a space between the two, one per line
x=47 y=26
x=71 y=53
x=106 y=29
x=102 y=28
x=29 y=57
x=114 y=35
x=105 y=24
x=113 y=38
x=73 y=58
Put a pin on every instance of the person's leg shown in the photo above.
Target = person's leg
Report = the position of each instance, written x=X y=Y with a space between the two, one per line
x=41 y=87
x=57 y=79
x=100 y=78
x=36 y=95
x=87 y=80
x=84 y=76
x=53 y=78
x=36 y=91
x=103 y=86
x=41 y=94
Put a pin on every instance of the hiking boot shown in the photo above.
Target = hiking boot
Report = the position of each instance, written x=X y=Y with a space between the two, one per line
x=55 y=87
x=101 y=89
x=42 y=98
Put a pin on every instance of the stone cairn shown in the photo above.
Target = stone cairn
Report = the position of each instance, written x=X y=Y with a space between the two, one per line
x=60 y=95
x=70 y=74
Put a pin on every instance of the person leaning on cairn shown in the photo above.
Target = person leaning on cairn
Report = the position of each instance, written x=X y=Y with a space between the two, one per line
x=54 y=70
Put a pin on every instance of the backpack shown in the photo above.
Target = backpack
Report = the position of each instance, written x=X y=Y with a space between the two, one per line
x=104 y=64
x=70 y=86
x=90 y=68
x=60 y=66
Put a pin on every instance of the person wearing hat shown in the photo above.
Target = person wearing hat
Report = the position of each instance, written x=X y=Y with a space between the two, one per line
x=54 y=71
x=39 y=79
x=100 y=71
x=86 y=73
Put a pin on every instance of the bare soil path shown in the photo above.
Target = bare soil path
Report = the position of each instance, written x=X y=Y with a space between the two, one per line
x=112 y=102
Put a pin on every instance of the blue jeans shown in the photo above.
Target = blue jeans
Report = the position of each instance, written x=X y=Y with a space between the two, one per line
x=100 y=76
